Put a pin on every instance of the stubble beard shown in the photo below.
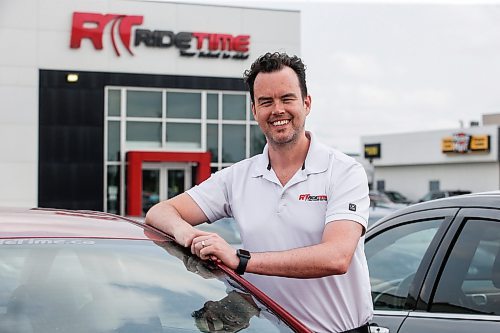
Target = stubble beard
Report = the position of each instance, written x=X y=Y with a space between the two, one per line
x=279 y=142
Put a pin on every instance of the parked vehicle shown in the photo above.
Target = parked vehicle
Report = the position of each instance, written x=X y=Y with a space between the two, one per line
x=435 y=266
x=397 y=197
x=378 y=212
x=432 y=195
x=380 y=199
x=226 y=228
x=81 y=271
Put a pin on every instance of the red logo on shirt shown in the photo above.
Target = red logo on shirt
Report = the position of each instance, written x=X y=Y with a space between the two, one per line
x=309 y=197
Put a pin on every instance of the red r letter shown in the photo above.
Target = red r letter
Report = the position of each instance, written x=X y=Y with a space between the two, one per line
x=79 y=32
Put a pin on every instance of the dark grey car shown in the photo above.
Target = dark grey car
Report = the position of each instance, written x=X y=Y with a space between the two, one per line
x=435 y=266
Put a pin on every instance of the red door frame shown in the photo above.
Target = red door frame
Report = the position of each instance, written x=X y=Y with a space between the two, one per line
x=134 y=175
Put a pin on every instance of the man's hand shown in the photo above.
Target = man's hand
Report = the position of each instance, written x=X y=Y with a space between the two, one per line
x=185 y=234
x=214 y=247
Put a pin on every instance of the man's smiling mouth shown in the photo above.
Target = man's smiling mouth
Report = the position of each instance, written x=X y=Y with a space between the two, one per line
x=280 y=122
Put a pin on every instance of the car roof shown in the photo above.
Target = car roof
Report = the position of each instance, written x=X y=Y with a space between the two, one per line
x=59 y=223
x=482 y=199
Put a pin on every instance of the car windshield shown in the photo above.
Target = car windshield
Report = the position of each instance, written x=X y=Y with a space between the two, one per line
x=396 y=196
x=380 y=199
x=93 y=285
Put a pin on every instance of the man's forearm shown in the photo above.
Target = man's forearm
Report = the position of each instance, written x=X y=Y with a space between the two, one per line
x=308 y=262
x=176 y=217
x=166 y=218
x=332 y=256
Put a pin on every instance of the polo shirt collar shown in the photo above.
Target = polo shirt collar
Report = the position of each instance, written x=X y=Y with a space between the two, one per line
x=318 y=156
x=317 y=159
x=262 y=163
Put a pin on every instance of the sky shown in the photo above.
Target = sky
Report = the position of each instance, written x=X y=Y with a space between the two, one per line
x=396 y=66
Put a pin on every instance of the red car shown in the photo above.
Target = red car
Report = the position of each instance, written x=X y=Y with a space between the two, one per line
x=82 y=271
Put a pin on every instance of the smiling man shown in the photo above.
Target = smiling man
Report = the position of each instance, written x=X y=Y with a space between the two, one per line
x=301 y=207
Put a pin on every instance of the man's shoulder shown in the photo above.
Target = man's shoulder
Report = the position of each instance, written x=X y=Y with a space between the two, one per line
x=322 y=157
x=343 y=157
x=338 y=157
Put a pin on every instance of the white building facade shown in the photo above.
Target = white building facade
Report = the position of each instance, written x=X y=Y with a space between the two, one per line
x=455 y=159
x=114 y=105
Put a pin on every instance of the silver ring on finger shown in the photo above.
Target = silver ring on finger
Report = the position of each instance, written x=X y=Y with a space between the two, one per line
x=203 y=243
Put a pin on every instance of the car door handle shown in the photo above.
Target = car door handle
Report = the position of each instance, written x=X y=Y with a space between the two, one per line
x=374 y=328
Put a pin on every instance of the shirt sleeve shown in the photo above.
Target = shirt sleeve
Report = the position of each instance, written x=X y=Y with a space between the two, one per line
x=212 y=196
x=348 y=197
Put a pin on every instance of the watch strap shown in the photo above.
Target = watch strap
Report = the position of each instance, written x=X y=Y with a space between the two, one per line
x=242 y=266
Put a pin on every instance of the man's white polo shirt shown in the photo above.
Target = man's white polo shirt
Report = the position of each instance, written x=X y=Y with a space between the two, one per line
x=331 y=186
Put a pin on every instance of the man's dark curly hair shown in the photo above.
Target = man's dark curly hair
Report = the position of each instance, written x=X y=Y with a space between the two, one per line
x=272 y=62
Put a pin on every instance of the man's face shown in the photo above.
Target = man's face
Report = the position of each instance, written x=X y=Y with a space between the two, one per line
x=279 y=107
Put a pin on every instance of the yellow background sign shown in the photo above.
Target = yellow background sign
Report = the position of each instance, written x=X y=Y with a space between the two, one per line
x=464 y=143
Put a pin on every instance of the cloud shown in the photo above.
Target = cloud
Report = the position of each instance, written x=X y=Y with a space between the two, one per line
x=430 y=99
x=357 y=65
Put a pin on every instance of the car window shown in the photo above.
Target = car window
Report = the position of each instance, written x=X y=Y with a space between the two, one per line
x=379 y=198
x=470 y=282
x=92 y=285
x=394 y=256
x=437 y=195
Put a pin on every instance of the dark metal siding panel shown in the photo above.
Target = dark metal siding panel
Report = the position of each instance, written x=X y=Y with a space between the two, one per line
x=71 y=129
x=174 y=81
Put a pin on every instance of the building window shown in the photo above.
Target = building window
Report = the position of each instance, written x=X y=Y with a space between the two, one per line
x=114 y=103
x=233 y=143
x=257 y=140
x=381 y=185
x=174 y=120
x=112 y=190
x=144 y=104
x=212 y=106
x=184 y=105
x=181 y=135
x=434 y=185
x=213 y=141
x=143 y=135
x=234 y=107
x=113 y=140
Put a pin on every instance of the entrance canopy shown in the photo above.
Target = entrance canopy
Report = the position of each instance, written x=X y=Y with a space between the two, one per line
x=134 y=174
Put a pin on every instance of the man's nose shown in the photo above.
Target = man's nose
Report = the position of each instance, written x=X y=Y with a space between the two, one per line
x=278 y=108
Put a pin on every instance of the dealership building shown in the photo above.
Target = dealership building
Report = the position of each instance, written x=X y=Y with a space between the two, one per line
x=464 y=159
x=114 y=105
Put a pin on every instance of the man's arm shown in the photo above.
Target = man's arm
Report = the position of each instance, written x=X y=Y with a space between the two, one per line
x=330 y=257
x=176 y=217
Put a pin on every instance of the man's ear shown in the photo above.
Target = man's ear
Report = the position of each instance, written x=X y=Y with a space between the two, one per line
x=252 y=105
x=307 y=104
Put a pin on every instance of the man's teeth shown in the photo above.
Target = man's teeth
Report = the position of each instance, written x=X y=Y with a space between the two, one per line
x=280 y=122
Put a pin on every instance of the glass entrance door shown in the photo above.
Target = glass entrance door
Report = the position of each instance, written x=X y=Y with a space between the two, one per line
x=161 y=181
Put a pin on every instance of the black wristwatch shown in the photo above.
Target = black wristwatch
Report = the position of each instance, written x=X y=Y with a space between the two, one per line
x=244 y=256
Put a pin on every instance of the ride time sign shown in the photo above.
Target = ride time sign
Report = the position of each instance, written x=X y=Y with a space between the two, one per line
x=189 y=44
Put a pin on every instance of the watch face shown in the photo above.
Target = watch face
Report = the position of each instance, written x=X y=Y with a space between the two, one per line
x=243 y=253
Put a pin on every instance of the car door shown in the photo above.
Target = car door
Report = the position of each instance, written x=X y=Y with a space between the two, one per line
x=399 y=252
x=462 y=291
